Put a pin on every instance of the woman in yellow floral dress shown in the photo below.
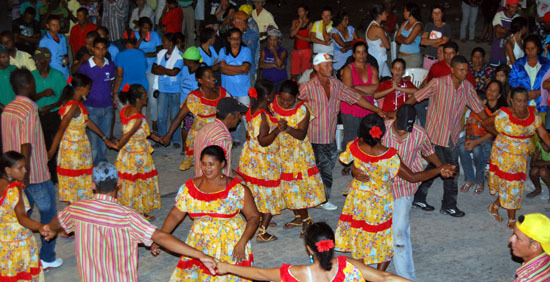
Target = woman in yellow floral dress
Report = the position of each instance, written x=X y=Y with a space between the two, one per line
x=74 y=162
x=364 y=227
x=202 y=103
x=301 y=183
x=514 y=126
x=18 y=250
x=213 y=201
x=259 y=164
x=136 y=170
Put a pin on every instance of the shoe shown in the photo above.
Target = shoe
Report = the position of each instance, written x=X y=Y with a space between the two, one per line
x=452 y=212
x=54 y=264
x=423 y=206
x=328 y=206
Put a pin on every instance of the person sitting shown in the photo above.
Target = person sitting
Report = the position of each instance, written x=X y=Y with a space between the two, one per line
x=26 y=31
x=393 y=93
x=273 y=59
x=540 y=168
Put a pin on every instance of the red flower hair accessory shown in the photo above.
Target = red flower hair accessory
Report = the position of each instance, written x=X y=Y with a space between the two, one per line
x=126 y=88
x=253 y=93
x=375 y=132
x=324 y=245
x=70 y=81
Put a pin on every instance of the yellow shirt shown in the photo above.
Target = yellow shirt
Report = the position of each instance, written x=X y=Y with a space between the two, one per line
x=264 y=19
x=317 y=27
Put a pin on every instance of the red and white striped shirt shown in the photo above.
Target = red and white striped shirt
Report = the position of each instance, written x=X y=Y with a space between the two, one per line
x=411 y=150
x=446 y=108
x=214 y=133
x=106 y=238
x=21 y=125
x=322 y=129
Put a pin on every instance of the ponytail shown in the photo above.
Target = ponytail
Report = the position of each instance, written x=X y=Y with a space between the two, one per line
x=76 y=81
x=261 y=90
x=319 y=237
x=130 y=94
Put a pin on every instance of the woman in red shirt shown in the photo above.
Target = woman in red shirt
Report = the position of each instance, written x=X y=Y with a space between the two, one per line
x=393 y=93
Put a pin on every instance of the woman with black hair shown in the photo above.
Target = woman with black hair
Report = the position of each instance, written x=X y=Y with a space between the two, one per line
x=436 y=33
x=408 y=36
x=364 y=228
x=74 y=162
x=259 y=164
x=324 y=267
x=137 y=173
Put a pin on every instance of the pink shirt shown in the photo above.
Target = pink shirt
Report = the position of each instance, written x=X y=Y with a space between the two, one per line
x=355 y=110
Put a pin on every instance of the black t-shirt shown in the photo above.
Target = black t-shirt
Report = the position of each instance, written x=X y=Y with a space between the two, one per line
x=19 y=26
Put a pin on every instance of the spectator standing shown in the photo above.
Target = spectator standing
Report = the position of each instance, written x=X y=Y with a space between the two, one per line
x=21 y=132
x=131 y=64
x=93 y=11
x=514 y=45
x=54 y=8
x=320 y=31
x=99 y=103
x=79 y=31
x=390 y=24
x=72 y=7
x=343 y=35
x=115 y=13
x=502 y=22
x=273 y=60
x=377 y=39
x=409 y=36
x=435 y=34
x=18 y=58
x=7 y=95
x=56 y=43
x=26 y=31
x=35 y=4
x=263 y=18
x=188 y=23
x=481 y=71
x=469 y=18
x=85 y=52
x=207 y=52
x=300 y=60
x=142 y=10
x=225 y=11
x=251 y=39
x=172 y=17
x=191 y=63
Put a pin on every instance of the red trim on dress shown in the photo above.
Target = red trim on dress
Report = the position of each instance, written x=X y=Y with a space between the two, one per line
x=189 y=151
x=522 y=122
x=259 y=182
x=250 y=116
x=186 y=264
x=284 y=112
x=518 y=176
x=62 y=110
x=27 y=276
x=74 y=172
x=14 y=184
x=340 y=276
x=365 y=226
x=517 y=137
x=206 y=116
x=134 y=177
x=284 y=271
x=287 y=176
x=210 y=214
x=356 y=151
x=125 y=120
x=208 y=102
x=208 y=197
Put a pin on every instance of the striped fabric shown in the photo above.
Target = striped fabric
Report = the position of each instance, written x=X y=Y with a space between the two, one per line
x=106 y=238
x=322 y=129
x=214 y=133
x=535 y=270
x=446 y=108
x=21 y=125
x=411 y=150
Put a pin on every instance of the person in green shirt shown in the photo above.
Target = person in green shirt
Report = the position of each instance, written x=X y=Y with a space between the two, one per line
x=54 y=7
x=49 y=86
x=540 y=168
x=6 y=95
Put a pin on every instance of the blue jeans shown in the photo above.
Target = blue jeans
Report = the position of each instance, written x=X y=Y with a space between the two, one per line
x=481 y=154
x=239 y=134
x=102 y=117
x=325 y=159
x=401 y=228
x=43 y=195
x=169 y=102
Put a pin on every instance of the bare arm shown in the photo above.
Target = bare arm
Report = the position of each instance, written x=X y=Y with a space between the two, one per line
x=413 y=177
x=266 y=138
x=434 y=159
x=489 y=125
x=295 y=28
x=61 y=130
x=414 y=33
x=264 y=65
x=543 y=134
x=250 y=272
x=252 y=216
x=300 y=132
x=126 y=136
x=26 y=150
x=118 y=79
x=21 y=214
x=183 y=112
x=371 y=274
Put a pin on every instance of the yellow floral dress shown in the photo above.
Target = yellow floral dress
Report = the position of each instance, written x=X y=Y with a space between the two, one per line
x=509 y=156
x=136 y=170
x=18 y=249
x=74 y=161
x=364 y=227
x=204 y=112
x=301 y=182
x=260 y=166
x=347 y=272
x=217 y=228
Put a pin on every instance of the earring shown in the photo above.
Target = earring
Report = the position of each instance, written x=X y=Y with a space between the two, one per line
x=311 y=258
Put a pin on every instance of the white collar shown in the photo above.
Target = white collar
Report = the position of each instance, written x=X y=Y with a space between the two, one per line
x=93 y=64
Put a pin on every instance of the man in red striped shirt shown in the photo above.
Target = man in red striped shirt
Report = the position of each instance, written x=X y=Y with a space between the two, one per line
x=107 y=234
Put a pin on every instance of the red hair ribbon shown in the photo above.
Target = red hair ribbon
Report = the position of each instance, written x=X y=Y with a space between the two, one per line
x=253 y=93
x=324 y=245
x=125 y=35
x=375 y=132
x=126 y=87
x=70 y=81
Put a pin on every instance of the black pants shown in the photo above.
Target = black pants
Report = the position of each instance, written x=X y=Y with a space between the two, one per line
x=450 y=187
x=325 y=159
x=50 y=124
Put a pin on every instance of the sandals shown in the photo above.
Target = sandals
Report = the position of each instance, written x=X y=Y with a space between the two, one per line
x=263 y=236
x=511 y=223
x=293 y=223
x=493 y=210
x=149 y=217
x=305 y=223
x=479 y=189
x=466 y=187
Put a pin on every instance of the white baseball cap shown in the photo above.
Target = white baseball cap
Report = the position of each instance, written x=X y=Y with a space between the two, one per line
x=322 y=58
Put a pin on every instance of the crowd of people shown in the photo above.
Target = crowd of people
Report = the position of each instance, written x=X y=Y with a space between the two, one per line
x=206 y=77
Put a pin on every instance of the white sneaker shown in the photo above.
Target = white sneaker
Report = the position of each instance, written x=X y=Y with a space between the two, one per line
x=328 y=206
x=54 y=264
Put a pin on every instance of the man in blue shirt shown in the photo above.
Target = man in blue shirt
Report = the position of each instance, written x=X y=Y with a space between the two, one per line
x=99 y=103
x=251 y=39
x=131 y=64
x=56 y=43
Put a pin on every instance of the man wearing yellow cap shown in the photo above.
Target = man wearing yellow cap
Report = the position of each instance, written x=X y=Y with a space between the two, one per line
x=531 y=242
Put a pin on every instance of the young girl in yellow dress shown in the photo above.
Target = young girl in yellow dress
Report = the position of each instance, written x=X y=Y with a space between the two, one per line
x=18 y=249
x=136 y=170
x=259 y=164
x=202 y=103
x=301 y=183
x=364 y=227
x=74 y=162
x=213 y=201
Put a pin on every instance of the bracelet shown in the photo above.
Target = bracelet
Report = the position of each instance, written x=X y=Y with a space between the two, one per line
x=104 y=137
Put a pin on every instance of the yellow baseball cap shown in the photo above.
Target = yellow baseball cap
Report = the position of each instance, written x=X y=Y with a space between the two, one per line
x=247 y=8
x=537 y=227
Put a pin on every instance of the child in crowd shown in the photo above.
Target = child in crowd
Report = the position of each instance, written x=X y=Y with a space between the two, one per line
x=540 y=168
x=395 y=91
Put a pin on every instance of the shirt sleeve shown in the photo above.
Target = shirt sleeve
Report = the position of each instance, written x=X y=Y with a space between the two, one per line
x=473 y=100
x=447 y=31
x=181 y=199
x=66 y=220
x=425 y=145
x=178 y=64
x=346 y=156
x=141 y=229
x=497 y=20
x=28 y=127
x=246 y=56
x=428 y=91
x=304 y=91
x=346 y=93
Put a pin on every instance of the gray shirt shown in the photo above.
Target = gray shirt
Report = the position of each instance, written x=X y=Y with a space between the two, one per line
x=435 y=33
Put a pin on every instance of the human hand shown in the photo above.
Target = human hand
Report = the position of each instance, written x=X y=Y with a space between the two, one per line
x=155 y=138
x=210 y=263
x=47 y=232
x=384 y=115
x=155 y=249
x=165 y=140
x=472 y=120
x=111 y=144
x=359 y=174
x=239 y=252
x=469 y=145
x=282 y=125
x=221 y=267
x=447 y=170
x=51 y=154
x=47 y=93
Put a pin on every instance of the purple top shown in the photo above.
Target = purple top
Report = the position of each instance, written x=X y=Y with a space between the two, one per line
x=274 y=74
x=498 y=56
x=100 y=93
